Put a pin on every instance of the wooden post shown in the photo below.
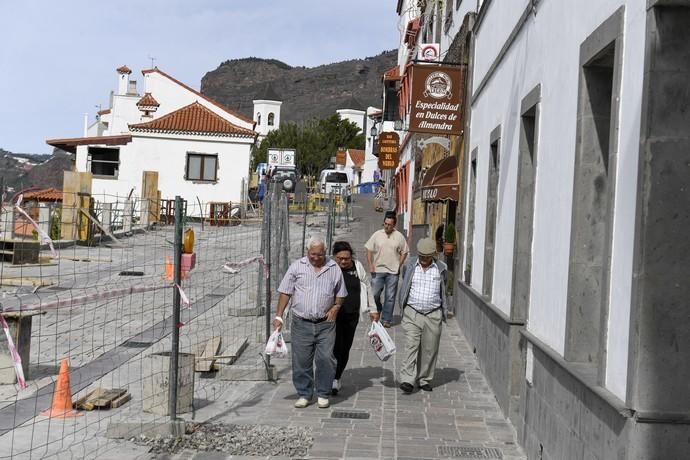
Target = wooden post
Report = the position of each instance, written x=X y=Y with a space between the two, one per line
x=74 y=183
x=149 y=197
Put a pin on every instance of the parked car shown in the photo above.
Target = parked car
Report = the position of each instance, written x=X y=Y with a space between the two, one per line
x=286 y=176
x=335 y=180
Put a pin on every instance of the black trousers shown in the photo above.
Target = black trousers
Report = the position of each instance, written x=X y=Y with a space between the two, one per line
x=345 y=326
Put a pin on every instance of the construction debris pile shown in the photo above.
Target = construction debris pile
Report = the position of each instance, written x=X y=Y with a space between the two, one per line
x=248 y=440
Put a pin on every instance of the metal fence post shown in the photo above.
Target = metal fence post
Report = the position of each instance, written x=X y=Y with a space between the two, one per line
x=267 y=260
x=175 y=349
x=304 y=224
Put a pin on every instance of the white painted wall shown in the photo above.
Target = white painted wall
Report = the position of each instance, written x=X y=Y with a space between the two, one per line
x=265 y=107
x=353 y=116
x=172 y=96
x=167 y=155
x=370 y=161
x=466 y=6
x=124 y=111
x=537 y=58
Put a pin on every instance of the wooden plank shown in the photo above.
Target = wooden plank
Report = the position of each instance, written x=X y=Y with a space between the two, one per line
x=149 y=197
x=70 y=190
x=74 y=183
x=117 y=402
x=86 y=213
x=25 y=281
x=202 y=364
x=232 y=352
x=83 y=259
x=102 y=398
x=43 y=264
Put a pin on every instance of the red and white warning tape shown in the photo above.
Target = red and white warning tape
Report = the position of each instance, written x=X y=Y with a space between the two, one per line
x=71 y=301
x=16 y=359
x=233 y=267
x=183 y=297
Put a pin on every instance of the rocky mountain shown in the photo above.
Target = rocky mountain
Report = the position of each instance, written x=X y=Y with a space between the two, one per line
x=21 y=170
x=306 y=92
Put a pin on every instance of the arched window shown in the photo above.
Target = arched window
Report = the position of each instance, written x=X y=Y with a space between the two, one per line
x=258 y=119
x=271 y=116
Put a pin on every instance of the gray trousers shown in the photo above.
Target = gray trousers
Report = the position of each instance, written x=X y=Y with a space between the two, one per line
x=422 y=339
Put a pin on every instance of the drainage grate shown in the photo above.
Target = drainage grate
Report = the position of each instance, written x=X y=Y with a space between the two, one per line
x=350 y=414
x=469 y=452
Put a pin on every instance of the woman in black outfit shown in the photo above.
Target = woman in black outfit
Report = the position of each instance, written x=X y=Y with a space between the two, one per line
x=358 y=292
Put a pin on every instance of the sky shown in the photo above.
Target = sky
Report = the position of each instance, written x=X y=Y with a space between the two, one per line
x=58 y=58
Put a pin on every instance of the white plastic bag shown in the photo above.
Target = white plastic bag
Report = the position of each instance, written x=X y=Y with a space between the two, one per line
x=276 y=346
x=381 y=342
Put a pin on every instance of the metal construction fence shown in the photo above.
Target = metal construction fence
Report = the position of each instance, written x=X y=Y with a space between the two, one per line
x=101 y=308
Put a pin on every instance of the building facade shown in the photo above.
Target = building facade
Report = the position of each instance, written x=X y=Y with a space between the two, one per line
x=199 y=148
x=574 y=286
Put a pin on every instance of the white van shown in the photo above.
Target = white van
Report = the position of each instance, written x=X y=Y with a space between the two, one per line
x=334 y=180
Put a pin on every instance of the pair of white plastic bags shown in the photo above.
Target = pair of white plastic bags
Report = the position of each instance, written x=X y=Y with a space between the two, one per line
x=276 y=345
x=381 y=342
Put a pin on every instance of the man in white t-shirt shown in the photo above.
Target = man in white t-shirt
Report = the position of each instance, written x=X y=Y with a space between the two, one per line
x=386 y=252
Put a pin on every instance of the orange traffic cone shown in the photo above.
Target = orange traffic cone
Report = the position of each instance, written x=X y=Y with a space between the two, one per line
x=168 y=269
x=62 y=396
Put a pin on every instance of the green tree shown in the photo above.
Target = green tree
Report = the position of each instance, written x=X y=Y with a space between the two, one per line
x=316 y=141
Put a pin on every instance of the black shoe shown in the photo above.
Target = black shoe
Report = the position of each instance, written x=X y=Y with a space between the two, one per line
x=386 y=324
x=426 y=387
x=406 y=388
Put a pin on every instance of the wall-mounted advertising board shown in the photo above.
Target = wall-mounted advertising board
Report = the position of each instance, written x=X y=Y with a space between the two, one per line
x=436 y=99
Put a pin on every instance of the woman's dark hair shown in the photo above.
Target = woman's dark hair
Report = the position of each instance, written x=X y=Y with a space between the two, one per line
x=341 y=246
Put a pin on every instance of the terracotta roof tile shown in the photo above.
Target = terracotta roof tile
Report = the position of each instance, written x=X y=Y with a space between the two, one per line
x=103 y=112
x=357 y=157
x=238 y=115
x=193 y=118
x=148 y=101
x=124 y=69
x=47 y=194
x=392 y=74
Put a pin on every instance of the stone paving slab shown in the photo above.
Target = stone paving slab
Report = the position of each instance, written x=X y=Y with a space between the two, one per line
x=460 y=411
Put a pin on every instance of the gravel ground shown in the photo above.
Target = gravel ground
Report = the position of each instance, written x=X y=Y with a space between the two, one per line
x=255 y=440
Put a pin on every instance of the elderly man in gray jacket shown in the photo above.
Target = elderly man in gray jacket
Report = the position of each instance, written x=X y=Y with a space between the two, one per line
x=422 y=297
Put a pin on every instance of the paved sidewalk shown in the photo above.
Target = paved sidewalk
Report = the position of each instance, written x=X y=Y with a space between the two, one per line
x=460 y=418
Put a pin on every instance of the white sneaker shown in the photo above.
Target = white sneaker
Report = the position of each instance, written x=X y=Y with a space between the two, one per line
x=336 y=387
x=301 y=403
x=323 y=403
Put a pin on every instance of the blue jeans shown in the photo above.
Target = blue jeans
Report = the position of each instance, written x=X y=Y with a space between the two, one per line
x=389 y=281
x=312 y=347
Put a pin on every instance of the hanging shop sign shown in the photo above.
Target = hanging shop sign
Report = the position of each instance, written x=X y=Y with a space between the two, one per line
x=436 y=99
x=340 y=157
x=389 y=150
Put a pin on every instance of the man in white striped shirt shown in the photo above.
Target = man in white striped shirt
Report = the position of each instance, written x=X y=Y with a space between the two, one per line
x=317 y=289
x=424 y=310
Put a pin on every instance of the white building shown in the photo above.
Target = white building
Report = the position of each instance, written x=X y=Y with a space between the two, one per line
x=370 y=169
x=199 y=148
x=267 y=113
x=575 y=257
